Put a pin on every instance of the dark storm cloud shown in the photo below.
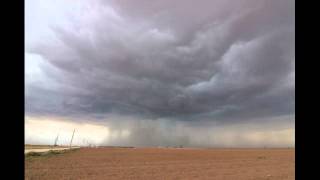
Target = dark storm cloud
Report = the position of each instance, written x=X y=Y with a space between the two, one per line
x=215 y=60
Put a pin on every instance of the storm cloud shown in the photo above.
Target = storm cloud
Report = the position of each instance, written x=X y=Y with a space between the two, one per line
x=220 y=62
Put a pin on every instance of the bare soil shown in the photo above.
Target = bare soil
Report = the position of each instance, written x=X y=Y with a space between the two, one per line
x=165 y=163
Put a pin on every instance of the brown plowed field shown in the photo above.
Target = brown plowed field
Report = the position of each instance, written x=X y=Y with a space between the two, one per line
x=164 y=163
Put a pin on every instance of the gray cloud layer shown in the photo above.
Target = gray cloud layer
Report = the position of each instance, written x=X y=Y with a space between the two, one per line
x=224 y=61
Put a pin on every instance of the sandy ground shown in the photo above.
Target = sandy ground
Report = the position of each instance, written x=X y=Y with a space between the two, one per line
x=165 y=163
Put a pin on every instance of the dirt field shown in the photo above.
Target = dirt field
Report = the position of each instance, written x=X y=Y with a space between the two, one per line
x=164 y=163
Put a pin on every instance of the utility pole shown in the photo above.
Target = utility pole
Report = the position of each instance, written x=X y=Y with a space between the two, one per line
x=72 y=138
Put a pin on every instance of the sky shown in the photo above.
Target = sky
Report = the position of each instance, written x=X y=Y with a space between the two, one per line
x=211 y=73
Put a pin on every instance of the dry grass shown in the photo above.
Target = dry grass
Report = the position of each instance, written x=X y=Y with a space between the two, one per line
x=29 y=146
x=33 y=155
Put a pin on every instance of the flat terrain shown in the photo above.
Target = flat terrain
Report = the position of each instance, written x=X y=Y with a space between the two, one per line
x=164 y=163
x=44 y=148
x=29 y=146
x=26 y=151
